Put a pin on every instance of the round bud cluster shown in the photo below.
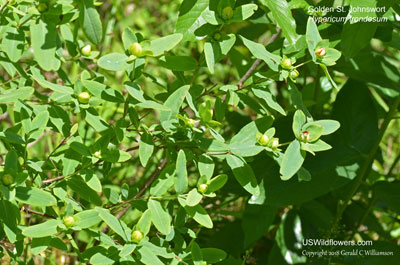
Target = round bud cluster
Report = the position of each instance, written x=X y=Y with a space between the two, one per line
x=294 y=74
x=69 y=221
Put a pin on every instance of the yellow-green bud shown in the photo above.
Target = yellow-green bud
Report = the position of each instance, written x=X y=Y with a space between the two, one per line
x=274 y=143
x=294 y=74
x=86 y=50
x=83 y=97
x=135 y=49
x=263 y=140
x=42 y=7
x=137 y=236
x=305 y=136
x=7 y=179
x=203 y=188
x=286 y=63
x=69 y=221
x=227 y=13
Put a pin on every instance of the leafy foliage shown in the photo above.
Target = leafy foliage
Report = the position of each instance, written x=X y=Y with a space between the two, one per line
x=197 y=132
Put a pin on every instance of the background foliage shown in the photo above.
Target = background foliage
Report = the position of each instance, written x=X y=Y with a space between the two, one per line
x=197 y=132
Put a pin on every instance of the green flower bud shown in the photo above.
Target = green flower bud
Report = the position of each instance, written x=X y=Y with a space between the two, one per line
x=97 y=154
x=69 y=221
x=86 y=50
x=294 y=74
x=7 y=179
x=263 y=140
x=137 y=236
x=42 y=7
x=286 y=63
x=202 y=188
x=136 y=49
x=227 y=13
x=274 y=143
x=217 y=36
x=83 y=97
x=191 y=123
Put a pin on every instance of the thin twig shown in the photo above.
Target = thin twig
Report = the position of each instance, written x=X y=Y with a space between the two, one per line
x=256 y=62
x=5 y=4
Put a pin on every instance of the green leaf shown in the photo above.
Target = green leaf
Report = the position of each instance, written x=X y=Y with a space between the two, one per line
x=197 y=256
x=292 y=160
x=164 y=44
x=144 y=222
x=315 y=131
x=312 y=37
x=283 y=16
x=190 y=18
x=39 y=124
x=193 y=198
x=44 y=83
x=117 y=225
x=299 y=119
x=206 y=166
x=260 y=52
x=179 y=63
x=318 y=146
x=80 y=187
x=146 y=256
x=44 y=43
x=115 y=156
x=146 y=148
x=217 y=183
x=148 y=104
x=244 y=143
x=159 y=217
x=244 y=12
x=34 y=196
x=244 y=174
x=330 y=126
x=88 y=218
x=181 y=182
x=213 y=255
x=13 y=43
x=103 y=92
x=263 y=93
x=210 y=55
x=13 y=95
x=90 y=21
x=113 y=62
x=197 y=213
x=12 y=137
x=10 y=217
x=174 y=102
x=47 y=228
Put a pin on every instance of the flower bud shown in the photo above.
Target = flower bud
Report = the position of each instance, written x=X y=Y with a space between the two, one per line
x=86 y=50
x=305 y=136
x=42 y=7
x=286 y=63
x=263 y=140
x=227 y=13
x=83 y=97
x=203 y=188
x=7 y=179
x=135 y=49
x=274 y=143
x=320 y=52
x=191 y=123
x=69 y=221
x=97 y=154
x=137 y=236
x=294 y=74
x=217 y=36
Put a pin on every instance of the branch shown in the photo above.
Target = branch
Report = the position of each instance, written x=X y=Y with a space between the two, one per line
x=256 y=62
